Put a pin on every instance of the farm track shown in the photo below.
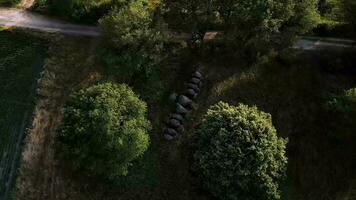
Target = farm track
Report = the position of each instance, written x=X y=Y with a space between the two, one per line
x=25 y=19
x=12 y=17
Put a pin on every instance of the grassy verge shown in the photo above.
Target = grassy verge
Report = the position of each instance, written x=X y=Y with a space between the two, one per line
x=293 y=88
x=21 y=59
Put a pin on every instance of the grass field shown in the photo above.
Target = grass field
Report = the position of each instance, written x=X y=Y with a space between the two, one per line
x=292 y=88
x=20 y=64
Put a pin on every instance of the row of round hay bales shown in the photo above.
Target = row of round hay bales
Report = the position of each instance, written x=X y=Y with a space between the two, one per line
x=184 y=104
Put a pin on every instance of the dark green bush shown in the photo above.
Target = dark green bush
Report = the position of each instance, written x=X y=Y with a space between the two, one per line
x=104 y=129
x=88 y=11
x=348 y=9
x=239 y=154
x=9 y=2
x=134 y=47
x=344 y=103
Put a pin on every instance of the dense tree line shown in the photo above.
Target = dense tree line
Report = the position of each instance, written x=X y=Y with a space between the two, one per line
x=9 y=2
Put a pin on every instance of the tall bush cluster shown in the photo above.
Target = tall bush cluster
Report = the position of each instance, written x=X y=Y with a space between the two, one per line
x=104 y=129
x=349 y=8
x=133 y=46
x=9 y=2
x=248 y=22
x=238 y=153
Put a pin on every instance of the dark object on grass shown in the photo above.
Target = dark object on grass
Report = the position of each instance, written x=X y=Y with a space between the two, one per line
x=198 y=75
x=181 y=110
x=168 y=137
x=180 y=129
x=195 y=81
x=185 y=102
x=171 y=132
x=178 y=117
x=173 y=123
x=200 y=84
x=195 y=87
x=191 y=93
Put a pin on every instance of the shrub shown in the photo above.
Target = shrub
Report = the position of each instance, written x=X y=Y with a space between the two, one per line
x=129 y=28
x=239 y=154
x=344 y=103
x=348 y=7
x=134 y=46
x=9 y=2
x=104 y=129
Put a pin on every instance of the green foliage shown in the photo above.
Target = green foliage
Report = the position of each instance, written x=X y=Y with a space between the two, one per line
x=80 y=10
x=129 y=28
x=239 y=154
x=304 y=19
x=345 y=103
x=252 y=26
x=134 y=46
x=348 y=8
x=9 y=2
x=330 y=9
x=104 y=129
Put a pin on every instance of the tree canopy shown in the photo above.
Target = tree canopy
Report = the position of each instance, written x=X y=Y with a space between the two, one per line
x=133 y=46
x=104 y=129
x=238 y=153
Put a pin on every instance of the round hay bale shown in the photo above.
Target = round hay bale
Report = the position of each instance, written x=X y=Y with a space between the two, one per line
x=195 y=81
x=193 y=86
x=180 y=129
x=178 y=117
x=168 y=137
x=173 y=123
x=170 y=131
x=197 y=75
x=184 y=101
x=191 y=93
x=181 y=110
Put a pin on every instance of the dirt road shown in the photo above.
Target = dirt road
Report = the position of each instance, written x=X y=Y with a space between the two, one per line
x=24 y=19
x=26 y=3
x=13 y=17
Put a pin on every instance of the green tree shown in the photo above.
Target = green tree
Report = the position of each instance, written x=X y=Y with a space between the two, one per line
x=9 y=2
x=305 y=17
x=252 y=26
x=349 y=8
x=330 y=9
x=239 y=154
x=104 y=129
x=345 y=103
x=134 y=45
x=81 y=10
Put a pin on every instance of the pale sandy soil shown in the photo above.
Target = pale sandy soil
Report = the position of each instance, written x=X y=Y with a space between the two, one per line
x=12 y=17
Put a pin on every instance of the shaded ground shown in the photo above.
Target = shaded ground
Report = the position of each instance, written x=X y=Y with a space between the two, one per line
x=157 y=176
x=294 y=90
x=21 y=59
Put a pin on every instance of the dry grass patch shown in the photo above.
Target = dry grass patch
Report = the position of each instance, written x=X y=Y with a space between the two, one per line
x=69 y=68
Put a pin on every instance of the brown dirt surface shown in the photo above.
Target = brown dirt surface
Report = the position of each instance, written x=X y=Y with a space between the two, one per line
x=40 y=176
x=26 y=3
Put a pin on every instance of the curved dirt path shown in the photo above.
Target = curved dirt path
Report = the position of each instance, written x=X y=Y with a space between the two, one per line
x=319 y=43
x=12 y=17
